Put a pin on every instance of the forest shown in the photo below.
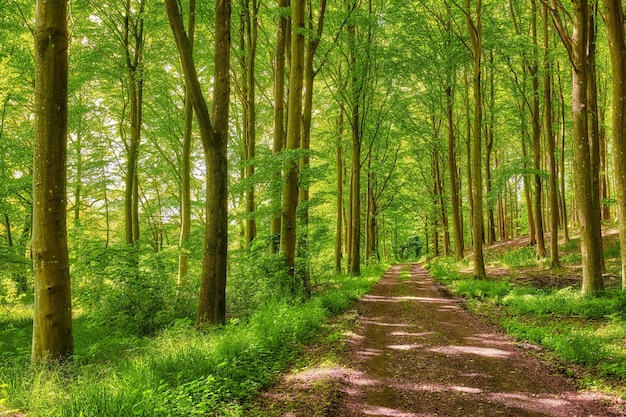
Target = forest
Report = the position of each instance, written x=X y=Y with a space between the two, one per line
x=188 y=191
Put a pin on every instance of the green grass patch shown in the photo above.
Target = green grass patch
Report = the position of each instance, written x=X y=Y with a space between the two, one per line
x=179 y=372
x=519 y=258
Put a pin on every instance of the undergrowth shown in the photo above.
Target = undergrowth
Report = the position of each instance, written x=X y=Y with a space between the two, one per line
x=586 y=330
x=178 y=372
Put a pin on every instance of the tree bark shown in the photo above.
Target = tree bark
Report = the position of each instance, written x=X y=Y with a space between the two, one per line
x=279 y=122
x=294 y=125
x=614 y=18
x=454 y=182
x=536 y=132
x=185 y=189
x=550 y=139
x=339 y=217
x=133 y=43
x=249 y=36
x=475 y=32
x=594 y=130
x=52 y=324
x=212 y=303
x=491 y=226
x=577 y=46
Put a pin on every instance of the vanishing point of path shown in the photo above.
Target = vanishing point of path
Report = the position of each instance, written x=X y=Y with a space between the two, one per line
x=418 y=353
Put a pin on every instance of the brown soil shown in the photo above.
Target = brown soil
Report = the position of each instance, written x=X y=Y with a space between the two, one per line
x=414 y=352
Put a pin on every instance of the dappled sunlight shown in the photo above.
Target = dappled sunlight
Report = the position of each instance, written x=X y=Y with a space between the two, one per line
x=490 y=339
x=375 y=322
x=471 y=350
x=556 y=406
x=370 y=352
x=436 y=387
x=378 y=298
x=390 y=412
x=309 y=376
x=405 y=347
x=407 y=334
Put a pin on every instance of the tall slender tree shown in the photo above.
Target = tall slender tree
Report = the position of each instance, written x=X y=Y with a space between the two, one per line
x=294 y=125
x=185 y=169
x=279 y=119
x=212 y=305
x=550 y=139
x=474 y=26
x=52 y=325
x=577 y=46
x=615 y=21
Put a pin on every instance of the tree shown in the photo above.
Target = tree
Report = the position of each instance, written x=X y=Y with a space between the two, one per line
x=185 y=169
x=52 y=326
x=248 y=43
x=614 y=18
x=474 y=26
x=279 y=120
x=212 y=306
x=294 y=124
x=550 y=139
x=536 y=136
x=577 y=46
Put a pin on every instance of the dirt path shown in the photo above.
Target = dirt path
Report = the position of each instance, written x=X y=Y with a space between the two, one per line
x=416 y=353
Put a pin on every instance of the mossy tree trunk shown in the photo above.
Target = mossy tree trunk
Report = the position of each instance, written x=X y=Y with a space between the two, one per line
x=52 y=324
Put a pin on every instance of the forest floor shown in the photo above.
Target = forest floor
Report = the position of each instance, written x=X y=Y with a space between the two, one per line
x=408 y=349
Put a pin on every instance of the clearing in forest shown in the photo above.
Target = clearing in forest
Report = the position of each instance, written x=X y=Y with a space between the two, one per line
x=418 y=353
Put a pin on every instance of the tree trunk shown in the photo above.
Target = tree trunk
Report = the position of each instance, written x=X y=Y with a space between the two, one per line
x=550 y=139
x=354 y=258
x=294 y=125
x=536 y=132
x=133 y=43
x=614 y=18
x=563 y=200
x=52 y=323
x=577 y=45
x=279 y=122
x=185 y=189
x=475 y=32
x=339 y=217
x=454 y=182
x=7 y=224
x=212 y=303
x=249 y=36
x=594 y=132
x=468 y=154
x=440 y=204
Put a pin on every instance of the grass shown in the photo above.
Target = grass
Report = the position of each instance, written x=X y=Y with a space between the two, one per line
x=180 y=372
x=584 y=330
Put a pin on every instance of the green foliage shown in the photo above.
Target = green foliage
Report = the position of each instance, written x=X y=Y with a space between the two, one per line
x=567 y=302
x=15 y=276
x=477 y=288
x=130 y=287
x=519 y=258
x=257 y=277
x=180 y=372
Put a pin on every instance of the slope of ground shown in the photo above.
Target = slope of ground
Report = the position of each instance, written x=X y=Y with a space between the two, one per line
x=415 y=352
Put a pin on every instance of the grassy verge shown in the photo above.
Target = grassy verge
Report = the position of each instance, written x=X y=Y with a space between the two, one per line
x=180 y=372
x=588 y=331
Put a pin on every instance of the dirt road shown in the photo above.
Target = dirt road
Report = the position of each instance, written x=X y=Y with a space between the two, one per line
x=417 y=353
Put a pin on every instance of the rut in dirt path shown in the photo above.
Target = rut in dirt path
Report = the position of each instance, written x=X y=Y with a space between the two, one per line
x=417 y=353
